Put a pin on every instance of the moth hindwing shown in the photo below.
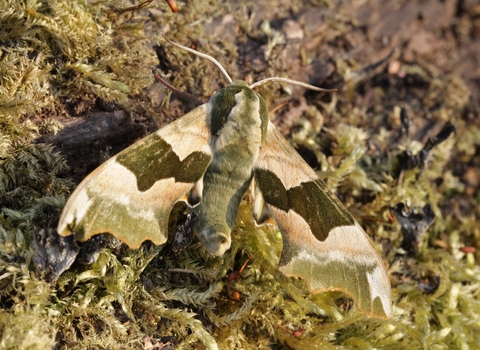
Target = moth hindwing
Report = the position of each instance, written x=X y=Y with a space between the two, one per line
x=212 y=154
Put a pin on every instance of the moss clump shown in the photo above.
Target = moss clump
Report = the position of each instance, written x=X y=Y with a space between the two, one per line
x=68 y=48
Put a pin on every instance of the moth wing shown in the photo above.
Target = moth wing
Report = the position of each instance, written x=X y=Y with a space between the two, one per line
x=322 y=242
x=132 y=194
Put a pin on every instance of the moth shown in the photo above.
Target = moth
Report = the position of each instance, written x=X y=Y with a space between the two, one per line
x=211 y=155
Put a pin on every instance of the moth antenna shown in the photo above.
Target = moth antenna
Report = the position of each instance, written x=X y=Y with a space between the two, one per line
x=210 y=58
x=290 y=81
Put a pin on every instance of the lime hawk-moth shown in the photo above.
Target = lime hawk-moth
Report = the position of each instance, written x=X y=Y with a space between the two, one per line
x=212 y=155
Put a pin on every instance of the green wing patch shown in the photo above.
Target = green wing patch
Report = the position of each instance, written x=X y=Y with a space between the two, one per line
x=311 y=200
x=154 y=160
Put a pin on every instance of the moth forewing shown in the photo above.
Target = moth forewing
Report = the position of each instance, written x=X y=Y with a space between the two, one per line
x=322 y=243
x=132 y=194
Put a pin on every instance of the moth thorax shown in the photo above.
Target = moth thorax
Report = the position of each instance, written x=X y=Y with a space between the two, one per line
x=235 y=118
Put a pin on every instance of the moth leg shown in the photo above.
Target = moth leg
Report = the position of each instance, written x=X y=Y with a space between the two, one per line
x=195 y=194
x=261 y=213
